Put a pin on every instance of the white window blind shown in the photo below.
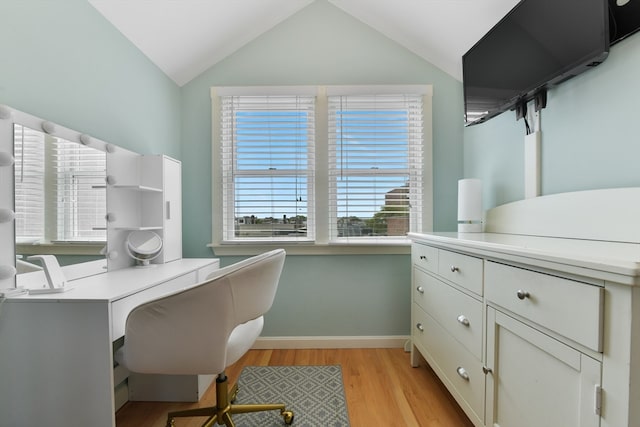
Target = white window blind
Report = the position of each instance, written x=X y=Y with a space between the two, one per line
x=267 y=156
x=375 y=166
x=60 y=191
x=80 y=192
x=29 y=184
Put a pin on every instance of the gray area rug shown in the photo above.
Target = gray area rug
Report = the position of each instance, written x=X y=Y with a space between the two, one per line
x=315 y=394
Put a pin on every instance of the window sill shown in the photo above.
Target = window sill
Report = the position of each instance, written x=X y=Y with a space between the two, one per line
x=71 y=248
x=255 y=248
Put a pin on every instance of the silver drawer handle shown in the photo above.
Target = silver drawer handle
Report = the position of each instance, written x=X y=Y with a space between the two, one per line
x=420 y=327
x=486 y=370
x=522 y=294
x=454 y=269
x=463 y=320
x=463 y=373
x=420 y=289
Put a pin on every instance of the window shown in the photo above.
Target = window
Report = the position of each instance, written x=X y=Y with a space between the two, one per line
x=322 y=166
x=375 y=158
x=60 y=193
x=29 y=184
x=80 y=192
x=268 y=163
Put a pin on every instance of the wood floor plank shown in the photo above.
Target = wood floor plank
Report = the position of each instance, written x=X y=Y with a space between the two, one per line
x=381 y=389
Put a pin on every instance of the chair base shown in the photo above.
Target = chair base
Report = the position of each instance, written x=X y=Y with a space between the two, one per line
x=221 y=413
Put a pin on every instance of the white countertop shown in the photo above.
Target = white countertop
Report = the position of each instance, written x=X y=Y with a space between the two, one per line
x=604 y=260
x=113 y=285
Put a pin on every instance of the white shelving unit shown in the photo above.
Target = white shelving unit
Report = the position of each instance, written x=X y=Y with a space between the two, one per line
x=143 y=193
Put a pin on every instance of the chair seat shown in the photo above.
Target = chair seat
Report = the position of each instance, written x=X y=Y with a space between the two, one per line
x=242 y=338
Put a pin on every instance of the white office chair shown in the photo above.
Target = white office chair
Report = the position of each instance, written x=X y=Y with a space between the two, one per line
x=204 y=329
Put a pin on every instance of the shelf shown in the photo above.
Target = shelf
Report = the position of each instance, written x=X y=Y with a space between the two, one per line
x=139 y=188
x=140 y=228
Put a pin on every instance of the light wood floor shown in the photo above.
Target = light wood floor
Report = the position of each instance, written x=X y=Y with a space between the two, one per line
x=381 y=388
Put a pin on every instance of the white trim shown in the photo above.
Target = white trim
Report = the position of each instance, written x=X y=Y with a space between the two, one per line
x=426 y=90
x=427 y=161
x=390 y=341
x=311 y=249
x=321 y=196
x=262 y=91
x=216 y=161
x=321 y=173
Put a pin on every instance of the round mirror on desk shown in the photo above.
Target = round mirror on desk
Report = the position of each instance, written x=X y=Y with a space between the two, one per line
x=143 y=246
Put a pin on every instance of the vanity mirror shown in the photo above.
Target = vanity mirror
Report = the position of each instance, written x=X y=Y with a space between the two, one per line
x=73 y=196
x=60 y=194
x=54 y=188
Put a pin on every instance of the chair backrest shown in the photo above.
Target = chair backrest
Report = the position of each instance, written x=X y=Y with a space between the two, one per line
x=187 y=332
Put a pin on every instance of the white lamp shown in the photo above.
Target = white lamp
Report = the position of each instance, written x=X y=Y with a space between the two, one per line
x=470 y=206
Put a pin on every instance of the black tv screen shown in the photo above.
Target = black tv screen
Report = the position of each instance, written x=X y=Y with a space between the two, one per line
x=538 y=44
x=624 y=19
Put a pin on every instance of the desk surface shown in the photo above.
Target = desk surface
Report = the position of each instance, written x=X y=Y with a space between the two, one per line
x=117 y=284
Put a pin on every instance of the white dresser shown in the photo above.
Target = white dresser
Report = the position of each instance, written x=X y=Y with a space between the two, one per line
x=529 y=330
x=56 y=350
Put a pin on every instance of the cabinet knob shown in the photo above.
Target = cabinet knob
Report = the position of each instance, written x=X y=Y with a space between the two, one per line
x=423 y=257
x=486 y=370
x=420 y=289
x=454 y=269
x=463 y=373
x=420 y=327
x=463 y=320
x=522 y=294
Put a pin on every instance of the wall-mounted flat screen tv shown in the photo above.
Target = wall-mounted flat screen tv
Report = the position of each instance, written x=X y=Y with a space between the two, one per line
x=624 y=19
x=538 y=44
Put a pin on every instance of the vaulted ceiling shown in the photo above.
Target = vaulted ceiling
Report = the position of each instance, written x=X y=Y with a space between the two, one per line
x=184 y=38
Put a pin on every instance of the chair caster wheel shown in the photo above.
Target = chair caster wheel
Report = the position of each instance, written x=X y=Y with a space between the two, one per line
x=288 y=417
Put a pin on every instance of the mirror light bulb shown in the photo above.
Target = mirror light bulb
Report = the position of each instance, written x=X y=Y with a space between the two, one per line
x=7 y=272
x=5 y=112
x=6 y=215
x=6 y=159
x=48 y=127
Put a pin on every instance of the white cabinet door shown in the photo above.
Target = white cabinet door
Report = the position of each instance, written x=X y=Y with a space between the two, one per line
x=172 y=222
x=536 y=380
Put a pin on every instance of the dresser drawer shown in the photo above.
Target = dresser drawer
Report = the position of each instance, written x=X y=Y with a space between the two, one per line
x=121 y=308
x=457 y=312
x=425 y=257
x=570 y=308
x=458 y=369
x=463 y=270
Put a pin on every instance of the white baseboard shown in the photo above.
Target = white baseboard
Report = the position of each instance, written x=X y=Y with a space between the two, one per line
x=392 y=341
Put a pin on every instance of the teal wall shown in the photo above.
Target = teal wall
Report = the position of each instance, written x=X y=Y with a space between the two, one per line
x=62 y=61
x=325 y=295
x=589 y=135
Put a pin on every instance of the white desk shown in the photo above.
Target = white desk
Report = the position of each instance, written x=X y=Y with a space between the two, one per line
x=56 y=350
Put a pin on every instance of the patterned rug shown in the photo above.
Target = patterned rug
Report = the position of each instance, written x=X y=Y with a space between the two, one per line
x=315 y=394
